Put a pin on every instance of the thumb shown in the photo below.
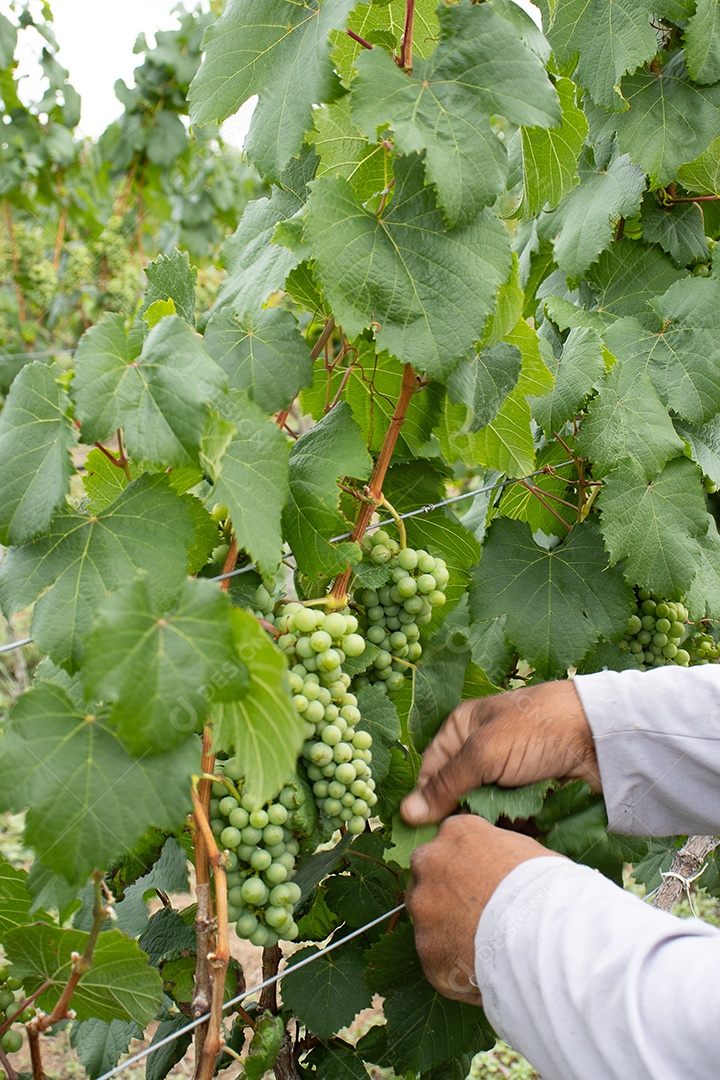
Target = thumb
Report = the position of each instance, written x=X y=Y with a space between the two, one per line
x=437 y=795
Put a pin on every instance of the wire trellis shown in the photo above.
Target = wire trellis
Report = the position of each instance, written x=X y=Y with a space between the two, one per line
x=192 y=1024
x=427 y=509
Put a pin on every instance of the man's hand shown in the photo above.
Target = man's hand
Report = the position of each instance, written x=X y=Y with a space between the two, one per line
x=453 y=877
x=510 y=739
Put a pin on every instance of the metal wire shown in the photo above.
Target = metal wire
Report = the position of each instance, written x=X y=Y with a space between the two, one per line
x=248 y=993
x=427 y=509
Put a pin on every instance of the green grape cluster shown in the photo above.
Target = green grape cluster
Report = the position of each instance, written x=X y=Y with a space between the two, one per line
x=655 y=630
x=703 y=649
x=11 y=997
x=262 y=848
x=337 y=751
x=394 y=613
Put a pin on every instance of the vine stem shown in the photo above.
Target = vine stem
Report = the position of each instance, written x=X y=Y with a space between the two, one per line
x=406 y=47
x=356 y=37
x=374 y=488
x=229 y=564
x=687 y=864
x=202 y=997
x=220 y=956
x=7 y=1066
x=536 y=492
x=122 y=456
x=399 y=523
x=695 y=198
x=23 y=1006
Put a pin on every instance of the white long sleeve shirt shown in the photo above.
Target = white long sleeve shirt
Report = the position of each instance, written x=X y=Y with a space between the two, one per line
x=588 y=981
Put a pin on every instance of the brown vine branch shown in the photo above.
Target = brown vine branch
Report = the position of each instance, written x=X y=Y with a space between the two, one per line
x=270 y=966
x=356 y=37
x=687 y=864
x=7 y=1066
x=536 y=492
x=22 y=1006
x=202 y=997
x=218 y=959
x=229 y=564
x=694 y=198
x=374 y=488
x=325 y=336
x=406 y=46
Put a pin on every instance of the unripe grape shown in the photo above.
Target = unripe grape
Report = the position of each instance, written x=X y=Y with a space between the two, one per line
x=255 y=891
x=407 y=559
x=251 y=835
x=335 y=625
x=12 y=1041
x=246 y=925
x=345 y=774
x=276 y=873
x=353 y=645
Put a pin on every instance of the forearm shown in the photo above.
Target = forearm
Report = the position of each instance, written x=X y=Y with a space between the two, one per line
x=590 y=983
x=657 y=739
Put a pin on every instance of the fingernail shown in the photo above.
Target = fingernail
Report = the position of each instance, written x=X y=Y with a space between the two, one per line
x=414 y=808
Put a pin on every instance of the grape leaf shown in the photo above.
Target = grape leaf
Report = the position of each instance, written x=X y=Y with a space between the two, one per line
x=104 y=481
x=518 y=500
x=14 y=896
x=490 y=650
x=669 y=122
x=581 y=227
x=438 y=676
x=557 y=602
x=383 y=24
x=483 y=382
x=158 y=398
x=264 y=1046
x=405 y=838
x=493 y=802
x=337 y=1062
x=380 y=718
x=36 y=438
x=332 y=449
x=171 y=277
x=368 y=892
x=252 y=480
x=550 y=158
x=262 y=728
x=267 y=356
x=479 y=69
x=678 y=229
x=655 y=525
x=426 y=292
x=119 y=984
x=169 y=874
x=100 y=1043
x=627 y=419
x=344 y=151
x=256 y=266
x=628 y=276
x=82 y=558
x=328 y=993
x=604 y=40
x=704 y=443
x=280 y=51
x=167 y=666
x=165 y=1057
x=702 y=43
x=577 y=369
x=702 y=174
x=681 y=350
x=89 y=800
x=703 y=596
x=425 y=1029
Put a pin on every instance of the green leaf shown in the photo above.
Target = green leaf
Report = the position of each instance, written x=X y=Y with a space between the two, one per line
x=314 y=868
x=89 y=800
x=522 y=501
x=605 y=41
x=704 y=443
x=558 y=603
x=157 y=311
x=119 y=985
x=490 y=650
x=280 y=51
x=99 y=1044
x=483 y=383
x=14 y=896
x=166 y=936
x=167 y=666
x=8 y=41
x=680 y=350
x=264 y=1047
x=256 y=266
x=577 y=369
x=669 y=122
x=628 y=276
x=263 y=729
x=171 y=277
x=82 y=558
x=655 y=525
x=627 y=419
x=679 y=229
x=369 y=890
x=405 y=838
x=582 y=226
x=318 y=922
x=426 y=292
x=332 y=449
x=703 y=173
x=702 y=43
x=162 y=1060
x=103 y=481
x=425 y=1029
x=252 y=480
x=438 y=676
x=267 y=356
x=703 y=596
x=380 y=718
x=479 y=69
x=337 y=1062
x=327 y=994
x=344 y=151
x=493 y=802
x=159 y=399
x=550 y=157
x=36 y=438
x=383 y=24
x=169 y=874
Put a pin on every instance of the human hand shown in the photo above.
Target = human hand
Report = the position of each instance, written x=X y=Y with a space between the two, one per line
x=452 y=879
x=510 y=739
